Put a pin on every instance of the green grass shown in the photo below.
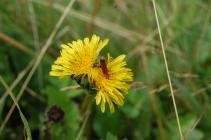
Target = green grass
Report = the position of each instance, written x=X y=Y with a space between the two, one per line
x=148 y=112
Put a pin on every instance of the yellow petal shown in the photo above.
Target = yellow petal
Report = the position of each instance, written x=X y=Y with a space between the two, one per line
x=98 y=98
x=102 y=44
x=103 y=106
x=111 y=106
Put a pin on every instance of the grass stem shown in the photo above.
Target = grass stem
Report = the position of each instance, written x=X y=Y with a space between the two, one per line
x=167 y=71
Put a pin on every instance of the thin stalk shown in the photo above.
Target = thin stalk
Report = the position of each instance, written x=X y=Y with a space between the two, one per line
x=167 y=71
x=23 y=118
x=32 y=17
x=86 y=117
x=13 y=85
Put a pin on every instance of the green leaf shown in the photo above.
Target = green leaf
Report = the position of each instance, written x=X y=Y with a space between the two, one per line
x=110 y=136
x=187 y=122
x=112 y=122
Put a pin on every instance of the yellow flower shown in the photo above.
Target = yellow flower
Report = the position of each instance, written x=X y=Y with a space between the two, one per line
x=111 y=81
x=77 y=58
x=108 y=78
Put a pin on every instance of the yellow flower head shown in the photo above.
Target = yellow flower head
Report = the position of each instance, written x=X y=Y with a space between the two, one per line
x=77 y=58
x=107 y=77
x=111 y=81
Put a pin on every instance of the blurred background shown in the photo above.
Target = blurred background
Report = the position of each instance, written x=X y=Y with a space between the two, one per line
x=55 y=113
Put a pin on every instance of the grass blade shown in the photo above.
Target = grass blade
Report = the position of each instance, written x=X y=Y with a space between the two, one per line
x=167 y=71
x=23 y=118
